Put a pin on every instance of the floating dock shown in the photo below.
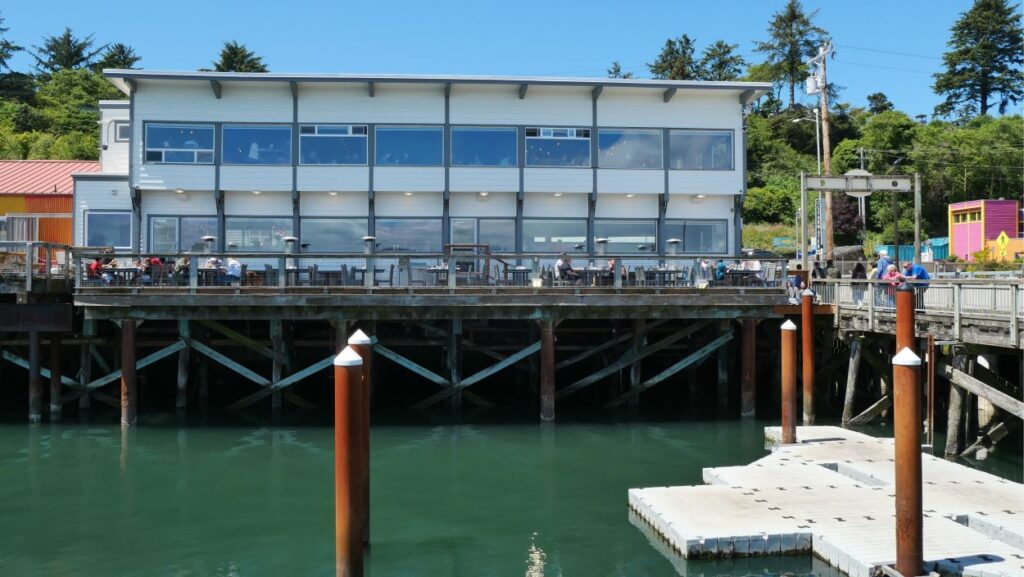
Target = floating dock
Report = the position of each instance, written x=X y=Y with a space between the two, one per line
x=832 y=495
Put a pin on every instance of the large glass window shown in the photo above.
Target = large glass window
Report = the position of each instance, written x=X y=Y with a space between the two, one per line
x=478 y=146
x=409 y=145
x=193 y=229
x=542 y=235
x=700 y=150
x=628 y=236
x=168 y=234
x=699 y=236
x=163 y=234
x=333 y=234
x=332 y=144
x=408 y=234
x=256 y=233
x=558 y=147
x=108 y=229
x=497 y=233
x=629 y=148
x=463 y=231
x=179 y=143
x=257 y=144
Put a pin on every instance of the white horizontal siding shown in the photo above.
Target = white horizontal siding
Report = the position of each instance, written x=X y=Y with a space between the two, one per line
x=634 y=181
x=351 y=103
x=711 y=182
x=114 y=155
x=689 y=206
x=256 y=178
x=558 y=180
x=98 y=195
x=618 y=206
x=426 y=204
x=171 y=203
x=173 y=176
x=328 y=178
x=195 y=101
x=547 y=205
x=342 y=204
x=476 y=179
x=408 y=178
x=642 y=108
x=245 y=203
x=497 y=204
x=543 y=105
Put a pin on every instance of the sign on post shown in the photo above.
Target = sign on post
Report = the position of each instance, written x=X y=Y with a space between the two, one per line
x=861 y=185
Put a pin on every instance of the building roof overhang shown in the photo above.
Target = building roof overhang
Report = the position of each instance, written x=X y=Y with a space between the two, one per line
x=129 y=80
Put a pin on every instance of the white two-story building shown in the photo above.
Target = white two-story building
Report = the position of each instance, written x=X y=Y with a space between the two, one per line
x=535 y=165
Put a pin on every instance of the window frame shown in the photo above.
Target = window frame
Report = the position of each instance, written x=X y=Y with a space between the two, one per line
x=376 y=144
x=574 y=252
x=649 y=221
x=365 y=219
x=177 y=228
x=684 y=249
x=661 y=148
x=316 y=126
x=146 y=148
x=552 y=129
x=131 y=225
x=732 y=147
x=496 y=127
x=476 y=224
x=250 y=125
x=118 y=125
x=230 y=217
x=376 y=232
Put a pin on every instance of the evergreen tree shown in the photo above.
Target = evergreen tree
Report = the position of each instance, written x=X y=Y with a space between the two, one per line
x=793 y=39
x=676 y=61
x=616 y=71
x=983 y=65
x=235 y=57
x=7 y=48
x=720 y=62
x=118 y=56
x=65 y=52
x=878 y=103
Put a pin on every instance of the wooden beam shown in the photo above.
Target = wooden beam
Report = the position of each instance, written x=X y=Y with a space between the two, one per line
x=668 y=94
x=236 y=367
x=631 y=357
x=972 y=385
x=245 y=341
x=99 y=359
x=880 y=406
x=477 y=377
x=141 y=363
x=281 y=384
x=991 y=436
x=851 y=380
x=43 y=372
x=406 y=363
x=591 y=351
x=696 y=357
x=216 y=87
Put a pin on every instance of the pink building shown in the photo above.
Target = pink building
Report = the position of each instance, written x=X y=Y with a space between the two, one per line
x=973 y=223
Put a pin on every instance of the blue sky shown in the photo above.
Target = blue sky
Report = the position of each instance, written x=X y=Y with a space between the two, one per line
x=892 y=46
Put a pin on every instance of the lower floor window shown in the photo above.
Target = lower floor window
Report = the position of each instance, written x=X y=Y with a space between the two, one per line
x=333 y=234
x=256 y=233
x=628 y=236
x=499 y=234
x=408 y=234
x=108 y=229
x=699 y=236
x=169 y=234
x=556 y=236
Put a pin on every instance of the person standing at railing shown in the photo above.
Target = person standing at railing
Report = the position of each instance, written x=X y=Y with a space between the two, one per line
x=912 y=271
x=858 y=274
x=895 y=278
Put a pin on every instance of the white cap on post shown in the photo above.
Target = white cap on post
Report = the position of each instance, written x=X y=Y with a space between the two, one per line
x=807 y=293
x=788 y=326
x=348 y=358
x=359 y=338
x=906 y=358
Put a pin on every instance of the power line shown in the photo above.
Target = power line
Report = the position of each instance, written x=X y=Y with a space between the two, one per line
x=916 y=71
x=880 y=51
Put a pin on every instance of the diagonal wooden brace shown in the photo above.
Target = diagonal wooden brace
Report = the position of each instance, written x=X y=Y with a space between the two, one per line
x=696 y=357
x=477 y=377
x=291 y=379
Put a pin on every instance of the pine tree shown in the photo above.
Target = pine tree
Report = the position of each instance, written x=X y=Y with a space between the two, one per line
x=676 y=61
x=983 y=65
x=118 y=56
x=793 y=39
x=616 y=71
x=878 y=102
x=720 y=62
x=235 y=57
x=7 y=48
x=65 y=52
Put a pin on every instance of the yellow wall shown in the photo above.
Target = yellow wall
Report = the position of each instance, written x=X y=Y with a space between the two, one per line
x=1015 y=246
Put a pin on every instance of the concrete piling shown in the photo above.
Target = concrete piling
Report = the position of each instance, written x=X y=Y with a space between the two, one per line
x=348 y=518
x=129 y=383
x=788 y=383
x=363 y=346
x=807 y=336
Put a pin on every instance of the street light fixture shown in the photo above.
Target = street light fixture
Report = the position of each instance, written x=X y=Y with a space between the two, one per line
x=817 y=133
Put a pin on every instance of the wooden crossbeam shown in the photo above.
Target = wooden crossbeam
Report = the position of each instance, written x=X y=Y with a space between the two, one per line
x=427 y=374
x=972 y=385
x=631 y=357
x=696 y=357
x=244 y=341
x=44 y=372
x=99 y=359
x=992 y=435
x=230 y=364
x=873 y=411
x=291 y=379
x=477 y=377
x=106 y=399
x=605 y=346
x=139 y=364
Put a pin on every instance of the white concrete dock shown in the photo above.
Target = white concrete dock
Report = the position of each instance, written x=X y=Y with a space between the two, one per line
x=832 y=495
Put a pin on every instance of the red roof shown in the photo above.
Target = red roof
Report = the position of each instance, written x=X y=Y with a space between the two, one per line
x=42 y=176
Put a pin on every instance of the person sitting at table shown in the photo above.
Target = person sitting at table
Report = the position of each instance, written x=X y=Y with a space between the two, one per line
x=214 y=263
x=143 y=265
x=95 y=271
x=565 y=271
x=720 y=270
x=180 y=272
x=234 y=271
x=622 y=269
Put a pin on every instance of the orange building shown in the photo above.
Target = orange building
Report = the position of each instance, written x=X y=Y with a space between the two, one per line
x=36 y=198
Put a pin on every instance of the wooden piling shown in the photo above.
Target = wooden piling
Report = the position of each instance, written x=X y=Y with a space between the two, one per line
x=851 y=380
x=547 y=370
x=748 y=391
x=722 y=396
x=85 y=359
x=635 y=374
x=277 y=343
x=55 y=386
x=348 y=530
x=954 y=416
x=35 y=379
x=807 y=336
x=788 y=382
x=181 y=398
x=932 y=362
x=907 y=432
x=455 y=363
x=129 y=383
x=363 y=346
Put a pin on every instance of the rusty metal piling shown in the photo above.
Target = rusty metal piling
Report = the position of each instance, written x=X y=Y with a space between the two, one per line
x=129 y=383
x=788 y=383
x=348 y=518
x=906 y=373
x=807 y=336
x=363 y=346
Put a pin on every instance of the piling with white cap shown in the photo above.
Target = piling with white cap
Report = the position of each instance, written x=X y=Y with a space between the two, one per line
x=788 y=383
x=362 y=345
x=348 y=516
x=906 y=369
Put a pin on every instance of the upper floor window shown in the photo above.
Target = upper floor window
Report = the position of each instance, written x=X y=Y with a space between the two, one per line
x=409 y=145
x=257 y=144
x=479 y=146
x=700 y=150
x=629 y=148
x=332 y=144
x=122 y=131
x=558 y=147
x=179 y=143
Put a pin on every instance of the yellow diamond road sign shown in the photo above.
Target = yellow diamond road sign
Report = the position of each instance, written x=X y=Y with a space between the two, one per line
x=1002 y=240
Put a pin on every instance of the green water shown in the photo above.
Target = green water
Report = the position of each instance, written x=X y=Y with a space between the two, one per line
x=447 y=500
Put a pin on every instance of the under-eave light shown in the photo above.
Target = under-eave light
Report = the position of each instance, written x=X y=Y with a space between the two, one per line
x=630 y=195
x=558 y=194
x=407 y=193
x=701 y=196
x=333 y=193
x=256 y=192
x=484 y=194
x=179 y=191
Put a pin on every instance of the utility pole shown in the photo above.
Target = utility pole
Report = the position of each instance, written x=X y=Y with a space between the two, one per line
x=826 y=149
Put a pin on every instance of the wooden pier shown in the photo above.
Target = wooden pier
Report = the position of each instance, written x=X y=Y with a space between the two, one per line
x=832 y=495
